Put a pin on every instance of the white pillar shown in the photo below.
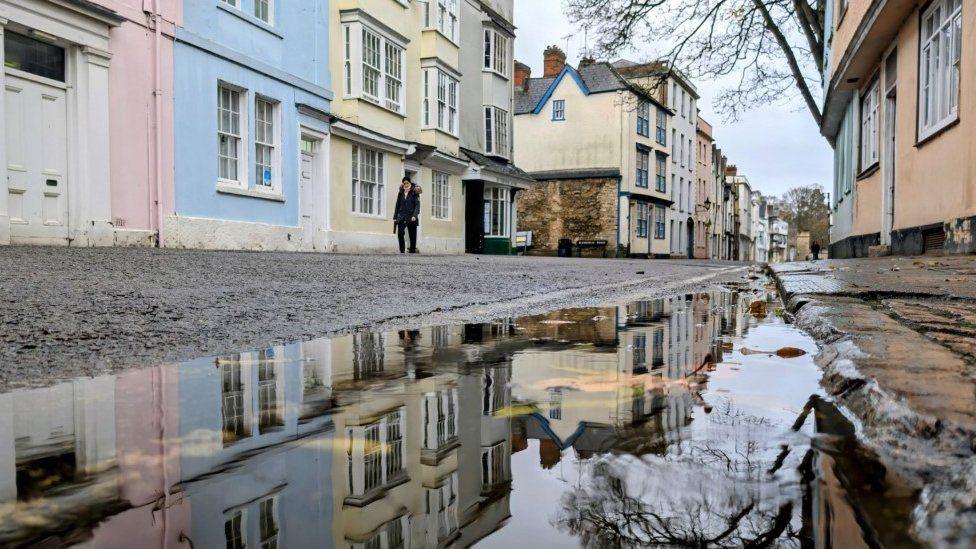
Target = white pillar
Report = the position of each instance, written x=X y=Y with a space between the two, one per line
x=4 y=216
x=93 y=120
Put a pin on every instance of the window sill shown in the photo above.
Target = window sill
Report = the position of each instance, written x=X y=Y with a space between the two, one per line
x=939 y=130
x=868 y=172
x=225 y=188
x=251 y=20
x=446 y=37
x=370 y=216
x=496 y=73
x=440 y=130
x=375 y=103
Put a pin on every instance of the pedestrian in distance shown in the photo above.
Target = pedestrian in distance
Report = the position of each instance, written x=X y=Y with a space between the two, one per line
x=405 y=215
x=815 y=248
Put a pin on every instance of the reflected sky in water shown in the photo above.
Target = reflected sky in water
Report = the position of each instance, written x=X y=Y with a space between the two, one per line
x=625 y=425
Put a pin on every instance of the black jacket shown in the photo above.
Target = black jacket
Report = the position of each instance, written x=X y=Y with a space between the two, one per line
x=406 y=207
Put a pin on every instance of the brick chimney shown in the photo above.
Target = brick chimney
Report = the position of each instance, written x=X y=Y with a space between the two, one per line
x=522 y=74
x=586 y=62
x=554 y=60
x=731 y=170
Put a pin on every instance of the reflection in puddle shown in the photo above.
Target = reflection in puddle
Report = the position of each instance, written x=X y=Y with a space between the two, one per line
x=631 y=425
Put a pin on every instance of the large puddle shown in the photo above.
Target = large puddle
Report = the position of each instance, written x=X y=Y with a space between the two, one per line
x=672 y=422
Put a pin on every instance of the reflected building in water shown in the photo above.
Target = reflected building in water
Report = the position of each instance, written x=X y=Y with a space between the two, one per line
x=373 y=440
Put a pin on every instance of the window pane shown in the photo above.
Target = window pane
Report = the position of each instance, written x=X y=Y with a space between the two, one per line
x=30 y=55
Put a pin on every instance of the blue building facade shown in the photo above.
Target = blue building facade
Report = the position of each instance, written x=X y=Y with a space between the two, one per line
x=251 y=101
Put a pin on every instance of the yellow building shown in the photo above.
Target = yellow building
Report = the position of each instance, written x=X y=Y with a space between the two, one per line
x=598 y=147
x=903 y=134
x=398 y=89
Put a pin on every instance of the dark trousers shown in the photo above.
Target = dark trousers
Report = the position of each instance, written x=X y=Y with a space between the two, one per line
x=411 y=227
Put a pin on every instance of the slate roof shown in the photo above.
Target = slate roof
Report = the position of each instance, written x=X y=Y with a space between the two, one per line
x=598 y=77
x=497 y=165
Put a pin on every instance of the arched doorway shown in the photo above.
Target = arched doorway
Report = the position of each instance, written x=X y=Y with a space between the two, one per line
x=690 y=227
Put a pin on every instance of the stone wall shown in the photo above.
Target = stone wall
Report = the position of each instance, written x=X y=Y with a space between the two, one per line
x=573 y=208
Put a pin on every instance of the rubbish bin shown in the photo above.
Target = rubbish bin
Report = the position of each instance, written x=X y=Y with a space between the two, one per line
x=565 y=247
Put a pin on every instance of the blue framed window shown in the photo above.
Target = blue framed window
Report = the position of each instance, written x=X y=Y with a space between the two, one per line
x=643 y=163
x=660 y=173
x=644 y=119
x=659 y=227
x=661 y=128
x=643 y=219
x=559 y=109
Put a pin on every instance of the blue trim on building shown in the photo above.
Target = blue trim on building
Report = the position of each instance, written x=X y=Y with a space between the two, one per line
x=555 y=83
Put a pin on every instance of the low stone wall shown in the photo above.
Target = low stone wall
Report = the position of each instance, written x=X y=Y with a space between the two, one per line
x=574 y=208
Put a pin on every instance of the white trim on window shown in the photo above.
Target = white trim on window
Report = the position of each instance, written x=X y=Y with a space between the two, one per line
x=236 y=4
x=267 y=148
x=497 y=131
x=373 y=66
x=498 y=211
x=440 y=196
x=496 y=52
x=440 y=107
x=368 y=181
x=264 y=11
x=869 y=126
x=231 y=136
x=444 y=19
x=940 y=51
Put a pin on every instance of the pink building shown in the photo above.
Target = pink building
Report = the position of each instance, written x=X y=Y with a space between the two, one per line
x=86 y=119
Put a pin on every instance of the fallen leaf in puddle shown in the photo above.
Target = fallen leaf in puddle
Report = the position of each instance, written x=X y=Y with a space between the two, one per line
x=557 y=322
x=784 y=352
x=598 y=318
x=758 y=309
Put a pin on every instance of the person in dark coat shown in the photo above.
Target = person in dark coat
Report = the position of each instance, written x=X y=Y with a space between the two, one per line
x=405 y=215
x=815 y=248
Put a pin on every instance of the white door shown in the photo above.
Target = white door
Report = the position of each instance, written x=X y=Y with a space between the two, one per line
x=37 y=150
x=308 y=199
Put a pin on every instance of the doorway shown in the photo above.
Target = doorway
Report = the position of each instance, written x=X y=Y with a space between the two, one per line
x=36 y=141
x=889 y=151
x=690 y=228
x=313 y=210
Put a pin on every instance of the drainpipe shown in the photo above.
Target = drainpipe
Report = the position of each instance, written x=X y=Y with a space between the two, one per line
x=158 y=115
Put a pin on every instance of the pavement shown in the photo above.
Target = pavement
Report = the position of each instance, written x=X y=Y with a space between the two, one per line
x=66 y=312
x=898 y=349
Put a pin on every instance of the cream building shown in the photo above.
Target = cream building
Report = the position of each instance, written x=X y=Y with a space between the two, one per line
x=901 y=126
x=397 y=108
x=598 y=147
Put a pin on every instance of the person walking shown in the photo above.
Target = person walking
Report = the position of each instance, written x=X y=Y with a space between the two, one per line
x=405 y=215
x=815 y=249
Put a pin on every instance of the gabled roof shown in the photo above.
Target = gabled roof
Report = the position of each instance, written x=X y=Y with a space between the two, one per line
x=495 y=164
x=596 y=77
x=631 y=69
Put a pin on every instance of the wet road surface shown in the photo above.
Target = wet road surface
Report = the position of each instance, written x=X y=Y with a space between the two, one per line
x=692 y=420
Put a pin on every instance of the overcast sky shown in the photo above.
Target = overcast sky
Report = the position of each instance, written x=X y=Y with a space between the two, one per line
x=776 y=147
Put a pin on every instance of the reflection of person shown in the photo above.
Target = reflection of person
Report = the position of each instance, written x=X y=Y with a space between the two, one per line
x=815 y=248
x=405 y=215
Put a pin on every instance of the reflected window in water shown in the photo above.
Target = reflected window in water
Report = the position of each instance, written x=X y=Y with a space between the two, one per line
x=234 y=531
x=494 y=465
x=640 y=351
x=269 y=404
x=375 y=454
x=440 y=418
x=495 y=391
x=555 y=403
x=442 y=510
x=269 y=523
x=657 y=342
x=235 y=425
x=440 y=337
x=367 y=355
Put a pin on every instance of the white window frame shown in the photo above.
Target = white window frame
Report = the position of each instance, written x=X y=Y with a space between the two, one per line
x=497 y=131
x=241 y=136
x=644 y=118
x=503 y=198
x=440 y=196
x=869 y=138
x=274 y=144
x=938 y=80
x=445 y=20
x=236 y=4
x=269 y=7
x=559 y=110
x=387 y=65
x=441 y=94
x=643 y=169
x=497 y=52
x=378 y=204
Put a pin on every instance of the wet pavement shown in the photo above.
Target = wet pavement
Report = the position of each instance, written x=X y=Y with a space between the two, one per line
x=695 y=420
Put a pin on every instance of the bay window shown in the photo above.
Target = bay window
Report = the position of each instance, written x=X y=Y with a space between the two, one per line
x=869 y=126
x=939 y=58
x=496 y=131
x=497 y=211
x=367 y=181
x=442 y=15
x=440 y=108
x=440 y=199
x=373 y=64
x=496 y=52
